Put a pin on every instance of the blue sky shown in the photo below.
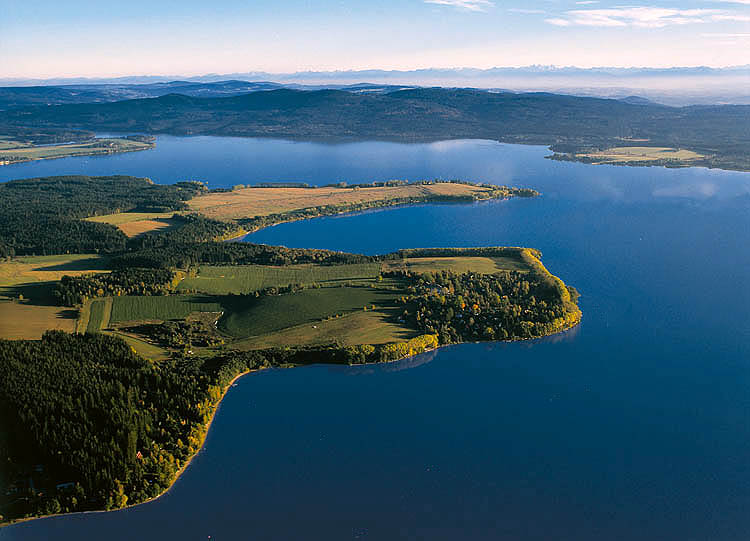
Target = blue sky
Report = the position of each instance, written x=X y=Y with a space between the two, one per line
x=52 y=38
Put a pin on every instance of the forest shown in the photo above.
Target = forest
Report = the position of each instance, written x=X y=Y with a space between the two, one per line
x=470 y=307
x=44 y=216
x=88 y=424
x=75 y=290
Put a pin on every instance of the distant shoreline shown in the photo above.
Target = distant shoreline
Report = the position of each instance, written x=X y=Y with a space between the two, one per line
x=31 y=153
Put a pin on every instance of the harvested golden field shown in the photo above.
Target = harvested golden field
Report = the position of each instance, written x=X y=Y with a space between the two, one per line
x=249 y=202
x=27 y=271
x=137 y=223
x=133 y=229
x=643 y=154
x=20 y=320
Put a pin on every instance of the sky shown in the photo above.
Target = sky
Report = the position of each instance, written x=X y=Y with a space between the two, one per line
x=95 y=38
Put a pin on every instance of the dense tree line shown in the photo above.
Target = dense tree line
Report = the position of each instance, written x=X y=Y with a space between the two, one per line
x=502 y=306
x=45 y=215
x=74 y=290
x=187 y=254
x=28 y=234
x=88 y=424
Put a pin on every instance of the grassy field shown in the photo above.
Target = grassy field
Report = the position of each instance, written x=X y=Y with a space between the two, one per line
x=371 y=327
x=7 y=145
x=223 y=280
x=24 y=275
x=161 y=307
x=137 y=223
x=249 y=202
x=28 y=321
x=251 y=317
x=484 y=265
x=143 y=348
x=98 y=146
x=642 y=154
x=100 y=312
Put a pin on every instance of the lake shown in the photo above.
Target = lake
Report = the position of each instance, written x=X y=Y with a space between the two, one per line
x=635 y=425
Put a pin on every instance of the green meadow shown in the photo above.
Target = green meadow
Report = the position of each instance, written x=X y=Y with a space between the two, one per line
x=161 y=307
x=225 y=280
x=251 y=317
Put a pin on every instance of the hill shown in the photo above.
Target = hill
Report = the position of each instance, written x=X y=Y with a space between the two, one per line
x=569 y=124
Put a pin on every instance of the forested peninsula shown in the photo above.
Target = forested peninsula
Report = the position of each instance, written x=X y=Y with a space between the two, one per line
x=108 y=412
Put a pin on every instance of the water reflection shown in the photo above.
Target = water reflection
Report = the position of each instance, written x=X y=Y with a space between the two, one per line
x=227 y=161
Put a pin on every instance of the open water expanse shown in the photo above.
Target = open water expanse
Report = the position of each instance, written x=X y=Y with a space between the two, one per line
x=633 y=426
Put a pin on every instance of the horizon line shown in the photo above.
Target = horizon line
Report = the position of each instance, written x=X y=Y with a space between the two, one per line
x=540 y=67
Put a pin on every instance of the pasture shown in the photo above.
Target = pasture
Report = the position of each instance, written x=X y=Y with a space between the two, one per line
x=99 y=314
x=143 y=348
x=161 y=308
x=224 y=280
x=370 y=327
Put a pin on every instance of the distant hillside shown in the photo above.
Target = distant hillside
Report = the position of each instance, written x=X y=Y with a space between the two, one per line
x=567 y=123
x=14 y=97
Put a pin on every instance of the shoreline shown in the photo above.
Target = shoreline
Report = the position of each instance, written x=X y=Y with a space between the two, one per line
x=177 y=475
x=374 y=208
x=216 y=408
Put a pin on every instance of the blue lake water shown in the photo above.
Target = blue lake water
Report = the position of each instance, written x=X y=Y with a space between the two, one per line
x=635 y=425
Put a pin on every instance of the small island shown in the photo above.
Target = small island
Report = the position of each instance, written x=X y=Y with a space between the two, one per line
x=107 y=411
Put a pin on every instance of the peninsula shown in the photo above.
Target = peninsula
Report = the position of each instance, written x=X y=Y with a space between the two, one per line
x=107 y=411
x=18 y=152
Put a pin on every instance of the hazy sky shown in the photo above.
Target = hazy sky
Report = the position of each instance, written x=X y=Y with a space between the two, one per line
x=52 y=38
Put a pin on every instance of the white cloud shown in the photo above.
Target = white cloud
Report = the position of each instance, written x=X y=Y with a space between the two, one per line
x=587 y=2
x=644 y=17
x=469 y=5
x=526 y=11
x=558 y=22
x=731 y=17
